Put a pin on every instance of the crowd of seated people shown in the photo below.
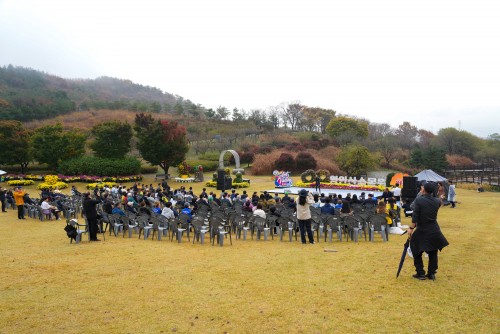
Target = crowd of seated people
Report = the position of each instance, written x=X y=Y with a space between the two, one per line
x=163 y=200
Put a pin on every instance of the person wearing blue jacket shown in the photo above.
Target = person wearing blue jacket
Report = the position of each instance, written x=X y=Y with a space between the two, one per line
x=328 y=208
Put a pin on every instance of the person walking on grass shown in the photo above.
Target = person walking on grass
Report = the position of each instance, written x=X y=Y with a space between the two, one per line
x=425 y=234
x=451 y=194
x=19 y=198
x=304 y=215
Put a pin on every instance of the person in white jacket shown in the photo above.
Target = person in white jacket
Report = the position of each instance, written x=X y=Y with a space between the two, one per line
x=304 y=215
x=451 y=194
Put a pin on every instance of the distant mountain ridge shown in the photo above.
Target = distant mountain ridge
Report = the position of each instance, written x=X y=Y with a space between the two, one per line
x=27 y=94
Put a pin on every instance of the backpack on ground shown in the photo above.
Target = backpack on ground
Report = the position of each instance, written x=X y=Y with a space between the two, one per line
x=71 y=231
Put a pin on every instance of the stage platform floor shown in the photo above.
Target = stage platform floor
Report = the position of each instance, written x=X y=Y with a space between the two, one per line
x=344 y=192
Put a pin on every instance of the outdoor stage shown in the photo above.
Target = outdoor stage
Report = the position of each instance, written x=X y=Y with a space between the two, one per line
x=344 y=192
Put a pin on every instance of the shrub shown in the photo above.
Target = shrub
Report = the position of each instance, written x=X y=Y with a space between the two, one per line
x=23 y=177
x=458 y=161
x=238 y=178
x=247 y=157
x=308 y=176
x=314 y=145
x=276 y=140
x=211 y=156
x=324 y=175
x=329 y=165
x=474 y=186
x=18 y=169
x=52 y=186
x=231 y=157
x=304 y=161
x=101 y=185
x=249 y=148
x=265 y=149
x=183 y=169
x=20 y=182
x=265 y=163
x=330 y=152
x=88 y=165
x=295 y=147
x=388 y=179
x=235 y=185
x=149 y=169
x=51 y=179
x=208 y=166
x=285 y=162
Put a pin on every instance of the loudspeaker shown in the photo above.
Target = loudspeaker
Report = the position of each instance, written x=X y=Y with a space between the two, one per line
x=410 y=186
x=228 y=183
x=221 y=176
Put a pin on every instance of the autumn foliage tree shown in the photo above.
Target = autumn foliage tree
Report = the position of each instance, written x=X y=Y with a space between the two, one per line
x=162 y=143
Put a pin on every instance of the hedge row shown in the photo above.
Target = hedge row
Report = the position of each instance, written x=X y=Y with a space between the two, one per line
x=149 y=169
x=88 y=165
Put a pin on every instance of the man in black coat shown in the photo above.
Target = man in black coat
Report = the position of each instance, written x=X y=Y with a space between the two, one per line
x=2 y=198
x=317 y=184
x=386 y=195
x=425 y=233
x=90 y=211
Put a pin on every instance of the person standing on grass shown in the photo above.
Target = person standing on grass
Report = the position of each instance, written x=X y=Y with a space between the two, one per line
x=90 y=211
x=451 y=194
x=425 y=234
x=19 y=198
x=304 y=215
x=318 y=184
x=3 y=192
x=441 y=192
x=396 y=191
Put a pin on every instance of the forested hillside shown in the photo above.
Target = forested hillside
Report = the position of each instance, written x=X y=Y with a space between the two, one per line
x=288 y=136
x=27 y=94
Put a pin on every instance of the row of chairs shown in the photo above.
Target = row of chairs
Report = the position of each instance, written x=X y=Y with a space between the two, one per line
x=222 y=222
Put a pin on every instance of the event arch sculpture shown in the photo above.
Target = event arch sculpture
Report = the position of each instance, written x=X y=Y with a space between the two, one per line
x=236 y=160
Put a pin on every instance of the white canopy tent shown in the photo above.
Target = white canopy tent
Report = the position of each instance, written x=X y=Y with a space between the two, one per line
x=430 y=175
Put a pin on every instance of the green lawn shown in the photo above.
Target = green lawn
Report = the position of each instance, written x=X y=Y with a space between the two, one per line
x=126 y=285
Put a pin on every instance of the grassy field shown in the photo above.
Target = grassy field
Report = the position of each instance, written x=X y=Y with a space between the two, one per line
x=126 y=285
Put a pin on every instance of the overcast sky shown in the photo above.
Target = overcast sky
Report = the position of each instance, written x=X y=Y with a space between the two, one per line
x=433 y=63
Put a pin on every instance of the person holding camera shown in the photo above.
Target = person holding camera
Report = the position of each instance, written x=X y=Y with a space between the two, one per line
x=19 y=198
x=90 y=211
x=304 y=215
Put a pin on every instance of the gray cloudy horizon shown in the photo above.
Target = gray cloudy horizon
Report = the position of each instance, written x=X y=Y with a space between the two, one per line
x=433 y=64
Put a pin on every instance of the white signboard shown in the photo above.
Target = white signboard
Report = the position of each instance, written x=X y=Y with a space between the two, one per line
x=354 y=180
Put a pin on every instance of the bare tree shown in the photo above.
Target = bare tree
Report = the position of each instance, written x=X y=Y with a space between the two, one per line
x=379 y=130
x=407 y=135
x=292 y=114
